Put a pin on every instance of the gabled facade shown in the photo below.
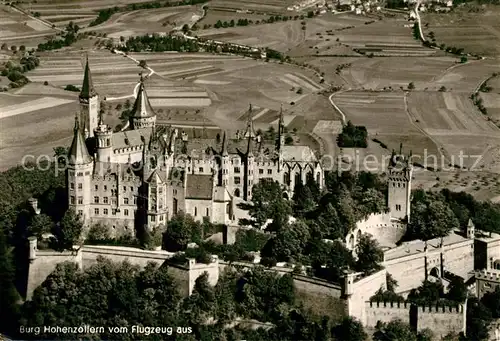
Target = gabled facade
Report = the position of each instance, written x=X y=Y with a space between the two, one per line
x=148 y=173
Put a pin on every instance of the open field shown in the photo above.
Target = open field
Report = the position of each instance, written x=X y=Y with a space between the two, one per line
x=141 y=22
x=384 y=116
x=18 y=29
x=187 y=89
x=453 y=121
x=475 y=32
x=464 y=77
x=214 y=15
x=260 y=6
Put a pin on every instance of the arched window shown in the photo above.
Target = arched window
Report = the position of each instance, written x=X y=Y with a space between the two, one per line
x=237 y=192
x=318 y=177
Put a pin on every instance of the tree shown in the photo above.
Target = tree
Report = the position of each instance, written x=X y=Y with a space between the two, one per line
x=69 y=230
x=430 y=219
x=491 y=301
x=394 y=331
x=349 y=329
x=411 y=86
x=288 y=244
x=478 y=319
x=288 y=140
x=427 y=293
x=463 y=59
x=185 y=28
x=142 y=63
x=179 y=232
x=8 y=292
x=61 y=154
x=369 y=254
x=268 y=203
x=457 y=290
x=40 y=224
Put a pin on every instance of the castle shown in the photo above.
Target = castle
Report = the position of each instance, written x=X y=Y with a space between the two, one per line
x=147 y=173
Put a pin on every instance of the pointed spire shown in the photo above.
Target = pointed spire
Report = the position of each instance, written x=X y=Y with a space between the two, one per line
x=142 y=107
x=224 y=145
x=78 y=153
x=250 y=133
x=88 y=90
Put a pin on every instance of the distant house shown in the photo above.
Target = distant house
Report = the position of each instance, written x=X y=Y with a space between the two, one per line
x=449 y=3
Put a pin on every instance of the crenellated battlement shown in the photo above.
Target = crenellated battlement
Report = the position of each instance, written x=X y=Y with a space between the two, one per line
x=438 y=308
x=391 y=304
x=489 y=275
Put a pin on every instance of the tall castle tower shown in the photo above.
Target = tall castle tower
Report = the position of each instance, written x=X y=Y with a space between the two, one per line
x=399 y=182
x=143 y=115
x=89 y=103
x=79 y=174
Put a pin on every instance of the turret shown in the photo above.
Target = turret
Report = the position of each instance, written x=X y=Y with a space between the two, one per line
x=223 y=172
x=470 y=229
x=79 y=174
x=89 y=103
x=399 y=182
x=104 y=139
x=143 y=115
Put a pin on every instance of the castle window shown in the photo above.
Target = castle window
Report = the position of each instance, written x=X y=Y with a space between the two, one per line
x=80 y=200
x=398 y=207
x=160 y=190
x=87 y=173
x=403 y=185
x=72 y=185
x=113 y=212
x=195 y=211
x=200 y=169
x=161 y=218
x=399 y=184
x=72 y=173
x=175 y=192
x=105 y=200
x=125 y=212
x=393 y=184
x=153 y=218
x=72 y=200
x=96 y=211
x=208 y=215
x=261 y=171
x=80 y=212
x=124 y=188
x=96 y=187
x=135 y=201
x=131 y=188
x=105 y=211
x=125 y=201
x=105 y=187
x=237 y=170
x=237 y=180
x=269 y=171
x=79 y=174
x=96 y=200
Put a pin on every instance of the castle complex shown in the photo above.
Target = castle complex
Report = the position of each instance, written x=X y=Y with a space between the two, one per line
x=147 y=172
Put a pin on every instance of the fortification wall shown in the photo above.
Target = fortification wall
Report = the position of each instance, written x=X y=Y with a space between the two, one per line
x=459 y=258
x=385 y=312
x=198 y=269
x=44 y=264
x=363 y=289
x=120 y=254
x=441 y=320
x=408 y=271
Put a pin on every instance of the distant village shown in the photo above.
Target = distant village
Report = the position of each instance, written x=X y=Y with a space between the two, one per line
x=366 y=6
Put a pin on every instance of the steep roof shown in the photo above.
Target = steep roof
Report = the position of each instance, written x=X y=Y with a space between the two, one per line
x=199 y=186
x=78 y=153
x=142 y=107
x=88 y=90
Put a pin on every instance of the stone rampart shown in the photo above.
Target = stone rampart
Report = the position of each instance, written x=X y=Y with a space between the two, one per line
x=441 y=319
